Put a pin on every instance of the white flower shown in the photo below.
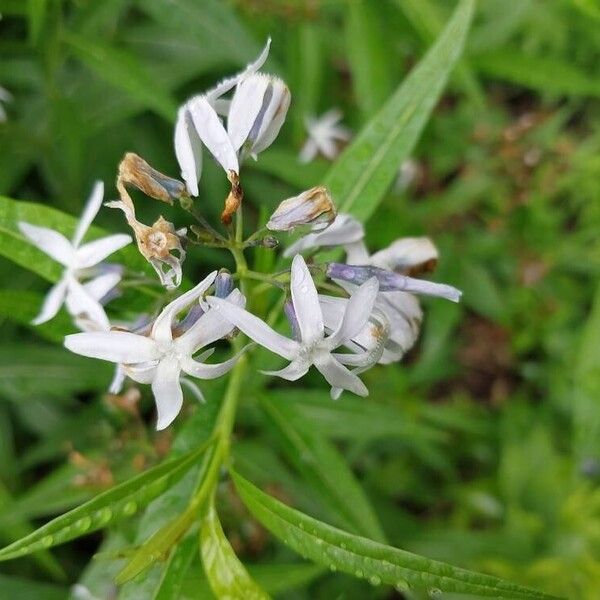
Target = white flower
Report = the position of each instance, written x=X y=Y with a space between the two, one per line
x=313 y=347
x=345 y=231
x=159 y=358
x=324 y=135
x=4 y=97
x=198 y=123
x=313 y=207
x=77 y=260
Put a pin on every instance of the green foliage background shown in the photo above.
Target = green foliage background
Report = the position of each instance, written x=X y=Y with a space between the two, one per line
x=482 y=448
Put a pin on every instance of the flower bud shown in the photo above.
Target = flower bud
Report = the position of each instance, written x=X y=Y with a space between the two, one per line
x=223 y=284
x=313 y=207
x=391 y=282
x=257 y=112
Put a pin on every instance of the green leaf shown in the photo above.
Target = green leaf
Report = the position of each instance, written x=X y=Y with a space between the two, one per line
x=37 y=13
x=121 y=501
x=17 y=588
x=538 y=73
x=16 y=248
x=227 y=576
x=427 y=22
x=171 y=582
x=368 y=57
x=122 y=69
x=316 y=459
x=362 y=557
x=30 y=369
x=363 y=173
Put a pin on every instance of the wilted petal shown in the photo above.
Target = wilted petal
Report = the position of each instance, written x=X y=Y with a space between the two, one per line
x=52 y=302
x=255 y=328
x=167 y=391
x=306 y=302
x=313 y=207
x=357 y=313
x=114 y=346
x=212 y=133
x=92 y=253
x=339 y=377
x=52 y=243
x=293 y=372
x=188 y=150
x=161 y=331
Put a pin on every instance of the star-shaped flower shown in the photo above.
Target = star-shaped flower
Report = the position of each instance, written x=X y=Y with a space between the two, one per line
x=313 y=347
x=324 y=136
x=78 y=260
x=160 y=357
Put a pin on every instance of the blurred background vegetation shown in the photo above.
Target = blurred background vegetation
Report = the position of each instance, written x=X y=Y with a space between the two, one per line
x=483 y=447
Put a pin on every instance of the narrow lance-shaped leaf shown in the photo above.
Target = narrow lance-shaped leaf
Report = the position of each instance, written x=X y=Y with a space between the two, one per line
x=316 y=458
x=121 y=501
x=361 y=176
x=226 y=575
x=362 y=557
x=172 y=579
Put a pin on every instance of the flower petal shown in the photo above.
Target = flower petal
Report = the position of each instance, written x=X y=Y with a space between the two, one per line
x=293 y=372
x=80 y=302
x=306 y=302
x=98 y=287
x=209 y=328
x=255 y=328
x=167 y=391
x=50 y=242
x=92 y=253
x=114 y=346
x=405 y=254
x=116 y=385
x=161 y=331
x=52 y=302
x=339 y=377
x=246 y=106
x=357 y=313
x=210 y=371
x=231 y=82
x=142 y=373
x=188 y=150
x=345 y=229
x=212 y=133
x=274 y=116
x=90 y=211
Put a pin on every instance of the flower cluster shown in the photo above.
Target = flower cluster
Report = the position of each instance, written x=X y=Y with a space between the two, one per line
x=344 y=317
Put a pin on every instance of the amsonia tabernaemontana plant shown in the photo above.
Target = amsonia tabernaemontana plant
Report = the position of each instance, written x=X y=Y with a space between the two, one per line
x=328 y=303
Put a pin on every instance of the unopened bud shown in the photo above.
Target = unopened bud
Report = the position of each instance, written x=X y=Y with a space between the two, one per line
x=223 y=284
x=313 y=207
x=392 y=282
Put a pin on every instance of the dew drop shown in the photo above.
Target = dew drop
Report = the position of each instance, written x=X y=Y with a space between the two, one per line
x=47 y=541
x=434 y=593
x=83 y=524
x=319 y=541
x=374 y=580
x=332 y=568
x=402 y=586
x=343 y=546
x=304 y=289
x=301 y=525
x=358 y=573
x=129 y=508
x=104 y=515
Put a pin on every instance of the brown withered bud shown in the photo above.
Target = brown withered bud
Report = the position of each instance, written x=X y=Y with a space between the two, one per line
x=234 y=199
x=155 y=243
x=135 y=171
